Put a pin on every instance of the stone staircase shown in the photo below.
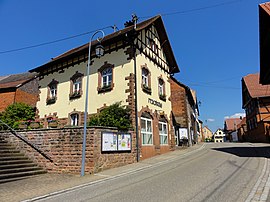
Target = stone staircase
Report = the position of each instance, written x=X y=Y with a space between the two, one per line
x=14 y=165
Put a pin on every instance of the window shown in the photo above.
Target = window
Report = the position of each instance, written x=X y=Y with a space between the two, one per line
x=146 y=131
x=52 y=92
x=76 y=85
x=145 y=77
x=153 y=46
x=146 y=84
x=163 y=134
x=106 y=77
x=161 y=89
x=74 y=119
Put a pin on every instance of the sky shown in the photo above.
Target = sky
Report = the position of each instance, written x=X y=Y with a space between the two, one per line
x=215 y=42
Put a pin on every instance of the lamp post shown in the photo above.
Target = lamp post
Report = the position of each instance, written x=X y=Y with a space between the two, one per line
x=99 y=52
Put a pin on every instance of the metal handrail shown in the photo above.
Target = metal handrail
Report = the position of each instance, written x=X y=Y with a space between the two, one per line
x=26 y=141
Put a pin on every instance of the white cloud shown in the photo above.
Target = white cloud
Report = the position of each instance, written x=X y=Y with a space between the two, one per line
x=236 y=115
x=210 y=120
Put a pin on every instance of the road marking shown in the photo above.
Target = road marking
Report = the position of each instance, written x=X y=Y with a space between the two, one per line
x=136 y=170
x=263 y=183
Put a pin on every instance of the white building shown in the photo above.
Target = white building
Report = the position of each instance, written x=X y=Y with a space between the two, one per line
x=219 y=136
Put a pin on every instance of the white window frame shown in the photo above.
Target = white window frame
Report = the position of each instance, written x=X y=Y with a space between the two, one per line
x=145 y=133
x=163 y=133
x=145 y=73
x=77 y=83
x=53 y=90
x=106 y=76
x=161 y=87
x=74 y=119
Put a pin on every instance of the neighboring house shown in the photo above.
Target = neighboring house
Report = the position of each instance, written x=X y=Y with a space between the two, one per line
x=207 y=134
x=219 y=136
x=200 y=132
x=256 y=103
x=18 y=88
x=230 y=128
x=241 y=130
x=264 y=37
x=112 y=79
x=185 y=112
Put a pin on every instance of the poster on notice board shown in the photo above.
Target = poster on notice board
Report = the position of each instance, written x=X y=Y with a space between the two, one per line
x=115 y=142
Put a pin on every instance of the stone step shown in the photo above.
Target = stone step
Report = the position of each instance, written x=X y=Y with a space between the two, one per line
x=15 y=179
x=10 y=158
x=7 y=154
x=7 y=147
x=9 y=151
x=20 y=161
x=9 y=176
x=17 y=165
x=18 y=170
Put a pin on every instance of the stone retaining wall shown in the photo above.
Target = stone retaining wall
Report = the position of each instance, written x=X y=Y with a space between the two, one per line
x=64 y=147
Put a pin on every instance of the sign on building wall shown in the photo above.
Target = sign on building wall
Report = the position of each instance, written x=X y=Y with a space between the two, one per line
x=183 y=133
x=115 y=142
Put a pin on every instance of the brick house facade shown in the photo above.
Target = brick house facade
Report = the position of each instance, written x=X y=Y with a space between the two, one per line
x=256 y=103
x=185 y=111
x=264 y=37
x=18 y=88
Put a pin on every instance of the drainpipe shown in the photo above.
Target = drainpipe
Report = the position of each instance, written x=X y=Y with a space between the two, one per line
x=133 y=36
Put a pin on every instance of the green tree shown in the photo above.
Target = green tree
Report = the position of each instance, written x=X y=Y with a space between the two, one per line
x=17 y=112
x=115 y=115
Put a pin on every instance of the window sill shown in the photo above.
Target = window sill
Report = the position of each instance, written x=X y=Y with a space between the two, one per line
x=51 y=100
x=162 y=97
x=74 y=96
x=105 y=89
x=147 y=90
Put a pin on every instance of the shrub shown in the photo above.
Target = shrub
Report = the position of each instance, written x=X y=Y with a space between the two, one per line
x=115 y=115
x=17 y=112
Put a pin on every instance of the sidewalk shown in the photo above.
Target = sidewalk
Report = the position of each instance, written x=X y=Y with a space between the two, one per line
x=48 y=183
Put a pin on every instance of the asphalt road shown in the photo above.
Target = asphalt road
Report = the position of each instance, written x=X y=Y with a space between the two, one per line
x=218 y=172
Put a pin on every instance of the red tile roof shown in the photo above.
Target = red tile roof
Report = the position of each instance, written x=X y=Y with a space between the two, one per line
x=243 y=122
x=232 y=123
x=157 y=20
x=256 y=89
x=266 y=7
x=13 y=81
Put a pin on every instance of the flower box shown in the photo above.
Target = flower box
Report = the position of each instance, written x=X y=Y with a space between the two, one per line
x=34 y=125
x=22 y=126
x=162 y=97
x=75 y=94
x=146 y=89
x=53 y=124
x=51 y=100
x=104 y=89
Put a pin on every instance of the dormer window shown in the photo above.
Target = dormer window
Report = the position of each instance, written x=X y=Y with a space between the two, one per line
x=153 y=46
x=52 y=92
x=76 y=85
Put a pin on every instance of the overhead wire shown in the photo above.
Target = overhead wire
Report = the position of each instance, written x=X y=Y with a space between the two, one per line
x=89 y=32
x=197 y=9
x=51 y=42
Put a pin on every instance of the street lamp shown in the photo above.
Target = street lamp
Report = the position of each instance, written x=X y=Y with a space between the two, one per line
x=99 y=52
